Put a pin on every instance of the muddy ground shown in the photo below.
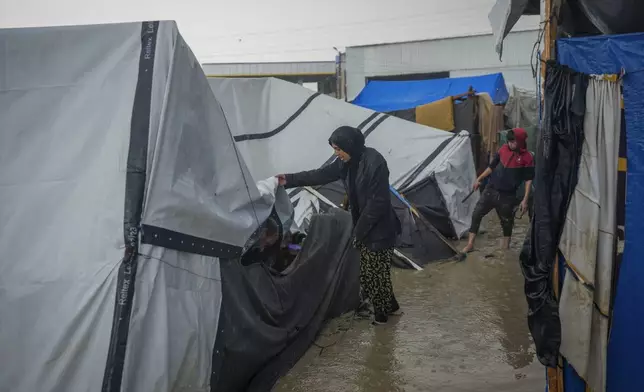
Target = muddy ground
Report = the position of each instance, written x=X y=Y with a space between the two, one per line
x=463 y=329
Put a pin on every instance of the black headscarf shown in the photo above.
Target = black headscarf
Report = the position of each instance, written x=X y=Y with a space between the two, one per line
x=351 y=141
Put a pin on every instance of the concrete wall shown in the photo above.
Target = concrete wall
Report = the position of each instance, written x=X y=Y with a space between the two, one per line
x=462 y=56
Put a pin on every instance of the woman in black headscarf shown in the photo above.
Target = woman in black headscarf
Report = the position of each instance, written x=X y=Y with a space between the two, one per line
x=365 y=175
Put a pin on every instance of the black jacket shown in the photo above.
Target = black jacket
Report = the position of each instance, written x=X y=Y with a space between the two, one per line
x=375 y=222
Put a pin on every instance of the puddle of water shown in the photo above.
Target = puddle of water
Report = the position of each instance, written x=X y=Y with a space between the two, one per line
x=464 y=329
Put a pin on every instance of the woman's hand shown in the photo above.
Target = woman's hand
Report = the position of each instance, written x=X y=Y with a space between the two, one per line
x=281 y=179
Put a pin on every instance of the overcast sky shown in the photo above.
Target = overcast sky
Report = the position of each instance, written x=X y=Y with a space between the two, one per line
x=271 y=30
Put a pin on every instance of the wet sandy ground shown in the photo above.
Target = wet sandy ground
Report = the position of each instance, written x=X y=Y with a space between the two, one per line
x=463 y=329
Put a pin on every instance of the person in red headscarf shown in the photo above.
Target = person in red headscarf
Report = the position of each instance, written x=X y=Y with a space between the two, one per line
x=512 y=166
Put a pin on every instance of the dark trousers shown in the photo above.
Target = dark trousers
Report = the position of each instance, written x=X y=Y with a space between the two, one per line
x=503 y=203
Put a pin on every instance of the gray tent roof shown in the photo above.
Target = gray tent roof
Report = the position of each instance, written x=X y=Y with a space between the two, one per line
x=281 y=127
x=93 y=116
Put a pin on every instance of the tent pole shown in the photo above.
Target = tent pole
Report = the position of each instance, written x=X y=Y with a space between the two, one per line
x=396 y=251
x=550 y=13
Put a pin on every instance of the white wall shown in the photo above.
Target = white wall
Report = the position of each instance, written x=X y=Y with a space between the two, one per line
x=311 y=86
x=462 y=56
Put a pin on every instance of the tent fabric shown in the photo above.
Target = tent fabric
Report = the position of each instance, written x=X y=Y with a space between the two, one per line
x=192 y=187
x=557 y=161
x=303 y=144
x=110 y=190
x=419 y=239
x=490 y=123
x=270 y=324
x=521 y=111
x=623 y=16
x=60 y=159
x=438 y=114
x=522 y=108
x=388 y=96
x=587 y=241
x=598 y=17
x=466 y=118
x=505 y=14
x=612 y=55
x=407 y=114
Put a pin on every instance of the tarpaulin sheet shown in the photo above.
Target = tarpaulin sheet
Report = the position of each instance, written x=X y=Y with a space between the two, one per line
x=438 y=114
x=595 y=17
x=490 y=124
x=588 y=239
x=557 y=162
x=63 y=149
x=611 y=54
x=93 y=120
x=505 y=14
x=269 y=319
x=387 y=96
x=194 y=185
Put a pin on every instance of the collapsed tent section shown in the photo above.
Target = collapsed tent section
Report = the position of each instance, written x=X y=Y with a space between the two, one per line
x=281 y=127
x=126 y=210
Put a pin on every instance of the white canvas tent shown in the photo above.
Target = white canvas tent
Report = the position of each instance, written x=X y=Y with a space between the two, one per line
x=125 y=204
x=281 y=127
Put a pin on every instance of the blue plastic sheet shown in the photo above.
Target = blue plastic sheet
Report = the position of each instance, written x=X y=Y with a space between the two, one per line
x=389 y=96
x=612 y=54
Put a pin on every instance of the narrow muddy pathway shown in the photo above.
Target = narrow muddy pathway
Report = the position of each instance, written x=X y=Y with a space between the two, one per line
x=464 y=329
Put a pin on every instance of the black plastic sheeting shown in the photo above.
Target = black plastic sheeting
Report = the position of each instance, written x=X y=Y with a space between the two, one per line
x=423 y=236
x=466 y=119
x=595 y=17
x=406 y=114
x=428 y=199
x=268 y=319
x=557 y=164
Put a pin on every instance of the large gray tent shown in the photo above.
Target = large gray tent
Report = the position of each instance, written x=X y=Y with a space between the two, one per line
x=281 y=127
x=125 y=208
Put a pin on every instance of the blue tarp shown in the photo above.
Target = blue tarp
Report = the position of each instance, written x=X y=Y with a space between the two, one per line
x=388 y=96
x=611 y=54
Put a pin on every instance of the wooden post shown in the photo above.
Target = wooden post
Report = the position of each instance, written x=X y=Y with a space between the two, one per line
x=550 y=12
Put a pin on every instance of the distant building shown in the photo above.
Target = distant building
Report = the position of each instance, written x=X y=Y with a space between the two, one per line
x=319 y=76
x=442 y=58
